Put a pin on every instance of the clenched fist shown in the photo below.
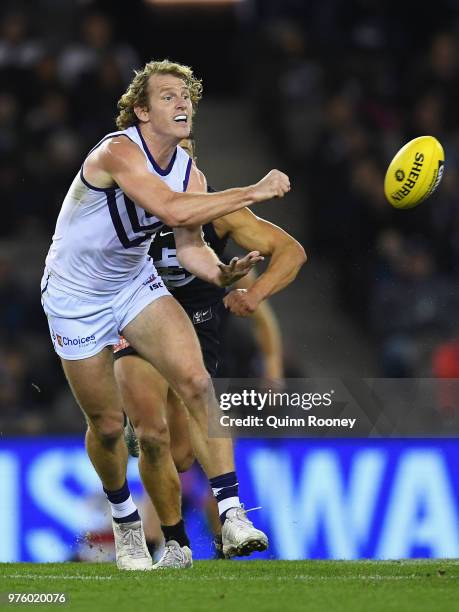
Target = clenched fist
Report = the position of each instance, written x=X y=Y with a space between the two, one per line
x=274 y=185
x=241 y=302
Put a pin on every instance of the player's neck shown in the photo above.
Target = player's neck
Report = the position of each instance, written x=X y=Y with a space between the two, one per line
x=161 y=147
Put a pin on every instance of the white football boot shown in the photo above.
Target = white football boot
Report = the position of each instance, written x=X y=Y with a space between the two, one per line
x=130 y=546
x=240 y=537
x=175 y=557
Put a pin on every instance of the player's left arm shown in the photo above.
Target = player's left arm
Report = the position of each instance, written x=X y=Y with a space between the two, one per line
x=198 y=258
x=286 y=257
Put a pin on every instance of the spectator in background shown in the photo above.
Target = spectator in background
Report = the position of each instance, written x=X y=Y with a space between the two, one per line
x=50 y=114
x=445 y=365
x=439 y=77
x=13 y=402
x=84 y=58
x=411 y=307
x=105 y=84
x=367 y=215
x=12 y=190
x=445 y=359
x=13 y=304
x=10 y=131
x=18 y=48
x=445 y=218
x=336 y=98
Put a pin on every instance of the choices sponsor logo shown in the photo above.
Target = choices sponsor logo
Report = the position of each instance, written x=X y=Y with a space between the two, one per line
x=78 y=341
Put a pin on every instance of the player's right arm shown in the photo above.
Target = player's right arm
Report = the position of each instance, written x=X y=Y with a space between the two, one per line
x=119 y=160
x=267 y=334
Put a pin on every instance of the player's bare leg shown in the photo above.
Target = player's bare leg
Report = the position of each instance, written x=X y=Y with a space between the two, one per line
x=93 y=384
x=151 y=526
x=179 y=431
x=144 y=394
x=163 y=334
x=182 y=453
x=94 y=387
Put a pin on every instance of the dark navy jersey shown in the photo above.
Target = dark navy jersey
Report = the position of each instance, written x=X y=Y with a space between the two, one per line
x=191 y=292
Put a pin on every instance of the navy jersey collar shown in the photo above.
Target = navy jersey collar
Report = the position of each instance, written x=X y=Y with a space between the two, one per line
x=157 y=168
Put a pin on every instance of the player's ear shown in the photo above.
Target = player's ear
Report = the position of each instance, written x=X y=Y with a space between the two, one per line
x=141 y=113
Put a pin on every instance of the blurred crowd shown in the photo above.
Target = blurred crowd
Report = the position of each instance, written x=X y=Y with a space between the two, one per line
x=344 y=90
x=341 y=90
x=58 y=96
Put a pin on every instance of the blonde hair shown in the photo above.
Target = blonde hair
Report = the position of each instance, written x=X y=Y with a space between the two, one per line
x=137 y=92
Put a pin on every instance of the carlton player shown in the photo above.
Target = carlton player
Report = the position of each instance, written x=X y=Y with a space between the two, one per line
x=99 y=282
x=146 y=394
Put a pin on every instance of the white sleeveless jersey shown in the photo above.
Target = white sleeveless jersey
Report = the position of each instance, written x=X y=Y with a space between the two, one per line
x=102 y=237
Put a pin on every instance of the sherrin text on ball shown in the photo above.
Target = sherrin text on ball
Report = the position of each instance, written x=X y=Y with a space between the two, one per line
x=415 y=172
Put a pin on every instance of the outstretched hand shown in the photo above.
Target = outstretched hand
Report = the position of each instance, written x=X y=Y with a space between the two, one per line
x=237 y=268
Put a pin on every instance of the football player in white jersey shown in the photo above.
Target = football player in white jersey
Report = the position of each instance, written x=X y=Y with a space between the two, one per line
x=99 y=282
x=148 y=399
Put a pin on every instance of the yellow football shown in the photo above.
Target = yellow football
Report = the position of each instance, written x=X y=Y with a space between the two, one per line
x=415 y=172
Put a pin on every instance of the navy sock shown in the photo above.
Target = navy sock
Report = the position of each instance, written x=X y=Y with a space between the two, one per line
x=153 y=547
x=122 y=506
x=176 y=532
x=226 y=491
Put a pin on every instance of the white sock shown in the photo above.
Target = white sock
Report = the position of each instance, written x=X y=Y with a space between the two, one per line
x=123 y=509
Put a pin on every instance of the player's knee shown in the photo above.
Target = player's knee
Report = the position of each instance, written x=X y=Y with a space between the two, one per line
x=108 y=430
x=153 y=441
x=195 y=387
x=183 y=459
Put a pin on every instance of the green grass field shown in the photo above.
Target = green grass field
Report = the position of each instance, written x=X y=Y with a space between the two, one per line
x=280 y=586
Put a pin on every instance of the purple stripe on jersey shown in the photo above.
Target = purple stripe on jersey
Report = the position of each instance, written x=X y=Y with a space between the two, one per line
x=187 y=174
x=157 y=168
x=118 y=223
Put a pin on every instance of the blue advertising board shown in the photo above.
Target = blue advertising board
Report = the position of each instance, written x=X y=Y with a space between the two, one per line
x=337 y=499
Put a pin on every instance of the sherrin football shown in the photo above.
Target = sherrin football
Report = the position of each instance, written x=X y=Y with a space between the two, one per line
x=415 y=172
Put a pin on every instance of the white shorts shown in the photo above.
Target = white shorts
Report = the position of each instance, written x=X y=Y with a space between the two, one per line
x=81 y=326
